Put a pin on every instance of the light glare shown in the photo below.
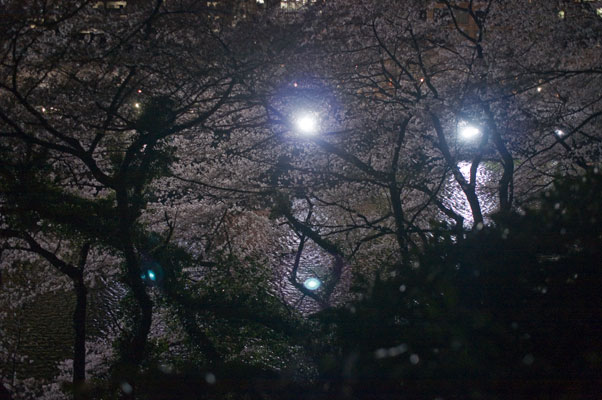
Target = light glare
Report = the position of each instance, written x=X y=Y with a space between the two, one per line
x=469 y=132
x=312 y=283
x=151 y=275
x=306 y=124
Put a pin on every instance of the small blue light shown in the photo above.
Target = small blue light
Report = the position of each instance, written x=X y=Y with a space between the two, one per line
x=312 y=283
x=151 y=275
x=142 y=276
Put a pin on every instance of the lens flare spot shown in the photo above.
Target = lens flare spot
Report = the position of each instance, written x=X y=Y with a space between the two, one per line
x=312 y=283
x=306 y=124
x=151 y=275
x=468 y=132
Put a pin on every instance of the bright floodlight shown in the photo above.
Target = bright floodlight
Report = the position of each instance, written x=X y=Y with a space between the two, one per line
x=312 y=283
x=468 y=132
x=306 y=124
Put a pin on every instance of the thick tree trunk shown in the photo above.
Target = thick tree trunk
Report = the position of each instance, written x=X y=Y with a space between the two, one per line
x=395 y=193
x=133 y=350
x=506 y=181
x=471 y=191
x=133 y=347
x=506 y=187
x=79 y=326
x=137 y=344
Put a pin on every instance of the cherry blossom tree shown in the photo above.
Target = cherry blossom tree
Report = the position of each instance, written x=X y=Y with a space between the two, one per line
x=399 y=89
x=89 y=105
x=199 y=151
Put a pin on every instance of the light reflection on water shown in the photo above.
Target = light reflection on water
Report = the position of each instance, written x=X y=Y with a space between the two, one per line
x=45 y=331
x=314 y=263
x=488 y=175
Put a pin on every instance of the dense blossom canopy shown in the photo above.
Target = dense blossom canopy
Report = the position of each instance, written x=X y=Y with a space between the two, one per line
x=201 y=162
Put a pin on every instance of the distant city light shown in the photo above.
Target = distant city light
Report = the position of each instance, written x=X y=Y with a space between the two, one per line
x=307 y=124
x=539 y=89
x=137 y=105
x=559 y=132
x=467 y=131
x=312 y=283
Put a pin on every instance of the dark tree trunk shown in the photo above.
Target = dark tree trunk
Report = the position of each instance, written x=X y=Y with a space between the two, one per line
x=133 y=345
x=395 y=194
x=471 y=191
x=134 y=348
x=79 y=325
x=506 y=187
x=469 y=188
x=137 y=344
x=399 y=220
x=506 y=181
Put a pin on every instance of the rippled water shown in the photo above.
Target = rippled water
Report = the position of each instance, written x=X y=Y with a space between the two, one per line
x=314 y=263
x=488 y=175
x=317 y=263
x=44 y=332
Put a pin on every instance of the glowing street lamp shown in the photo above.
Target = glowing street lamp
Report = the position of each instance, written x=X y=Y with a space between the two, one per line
x=467 y=131
x=306 y=124
x=312 y=283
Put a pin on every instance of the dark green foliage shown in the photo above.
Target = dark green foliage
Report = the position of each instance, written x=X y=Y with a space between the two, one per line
x=508 y=311
x=158 y=114
x=231 y=380
x=237 y=339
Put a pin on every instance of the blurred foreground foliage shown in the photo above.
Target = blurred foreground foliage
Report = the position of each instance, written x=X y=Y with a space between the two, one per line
x=510 y=310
